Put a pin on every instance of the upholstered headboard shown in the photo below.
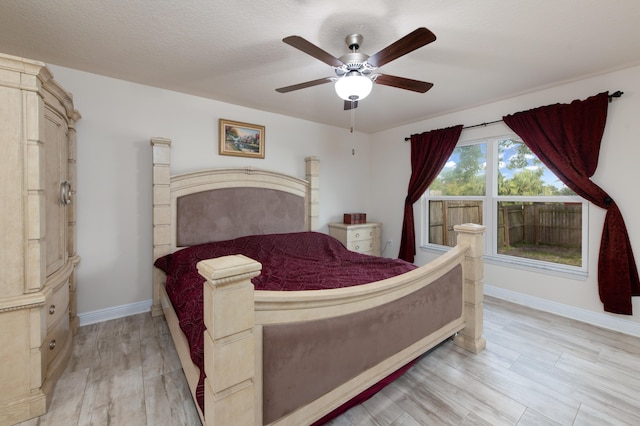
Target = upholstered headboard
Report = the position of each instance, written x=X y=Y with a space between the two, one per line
x=227 y=213
x=221 y=204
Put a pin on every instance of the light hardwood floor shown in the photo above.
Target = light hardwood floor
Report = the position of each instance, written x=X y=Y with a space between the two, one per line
x=538 y=369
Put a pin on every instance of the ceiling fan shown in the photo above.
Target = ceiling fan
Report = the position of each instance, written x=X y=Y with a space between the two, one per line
x=356 y=72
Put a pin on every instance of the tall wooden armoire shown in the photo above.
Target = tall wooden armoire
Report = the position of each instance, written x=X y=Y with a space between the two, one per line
x=38 y=256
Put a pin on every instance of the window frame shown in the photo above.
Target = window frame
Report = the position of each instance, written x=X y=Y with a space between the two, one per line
x=489 y=214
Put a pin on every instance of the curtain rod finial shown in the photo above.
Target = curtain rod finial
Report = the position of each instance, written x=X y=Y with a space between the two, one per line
x=615 y=94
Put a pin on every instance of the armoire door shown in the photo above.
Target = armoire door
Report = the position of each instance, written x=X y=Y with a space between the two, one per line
x=57 y=190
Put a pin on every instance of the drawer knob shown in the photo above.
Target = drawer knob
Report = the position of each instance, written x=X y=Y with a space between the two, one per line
x=52 y=309
x=357 y=247
x=357 y=234
x=52 y=344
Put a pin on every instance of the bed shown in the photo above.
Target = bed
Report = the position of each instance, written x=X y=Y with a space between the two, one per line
x=295 y=357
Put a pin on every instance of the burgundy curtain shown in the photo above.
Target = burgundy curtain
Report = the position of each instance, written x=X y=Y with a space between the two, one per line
x=429 y=153
x=566 y=138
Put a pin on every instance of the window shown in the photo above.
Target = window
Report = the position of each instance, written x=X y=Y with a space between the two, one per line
x=532 y=218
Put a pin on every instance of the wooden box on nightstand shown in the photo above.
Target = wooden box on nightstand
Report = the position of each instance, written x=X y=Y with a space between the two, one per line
x=362 y=238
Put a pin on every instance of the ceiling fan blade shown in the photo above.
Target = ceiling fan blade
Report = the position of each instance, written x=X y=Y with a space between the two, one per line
x=350 y=105
x=304 y=85
x=403 y=83
x=313 y=50
x=406 y=44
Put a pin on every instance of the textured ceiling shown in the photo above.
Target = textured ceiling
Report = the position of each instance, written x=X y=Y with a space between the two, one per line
x=233 y=51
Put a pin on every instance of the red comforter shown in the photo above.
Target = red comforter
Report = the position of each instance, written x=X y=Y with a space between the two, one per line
x=296 y=261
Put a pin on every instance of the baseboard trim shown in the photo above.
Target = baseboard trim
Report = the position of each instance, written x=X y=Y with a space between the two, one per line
x=121 y=311
x=604 y=320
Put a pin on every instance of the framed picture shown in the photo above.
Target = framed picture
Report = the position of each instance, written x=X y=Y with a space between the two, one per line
x=241 y=139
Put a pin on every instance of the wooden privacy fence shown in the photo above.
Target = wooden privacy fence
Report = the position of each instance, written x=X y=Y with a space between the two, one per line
x=445 y=214
x=557 y=224
x=540 y=223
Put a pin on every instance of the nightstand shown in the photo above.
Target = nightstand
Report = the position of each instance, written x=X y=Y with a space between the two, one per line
x=362 y=238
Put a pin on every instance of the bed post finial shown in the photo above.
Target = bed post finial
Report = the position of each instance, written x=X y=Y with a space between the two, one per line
x=313 y=197
x=161 y=149
x=470 y=337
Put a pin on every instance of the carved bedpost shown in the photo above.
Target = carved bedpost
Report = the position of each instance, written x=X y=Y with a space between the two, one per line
x=161 y=213
x=229 y=340
x=470 y=337
x=313 y=177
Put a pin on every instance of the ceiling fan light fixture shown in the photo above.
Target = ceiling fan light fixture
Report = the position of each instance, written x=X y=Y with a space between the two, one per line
x=353 y=86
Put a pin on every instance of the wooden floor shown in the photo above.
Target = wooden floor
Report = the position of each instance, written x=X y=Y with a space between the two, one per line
x=538 y=369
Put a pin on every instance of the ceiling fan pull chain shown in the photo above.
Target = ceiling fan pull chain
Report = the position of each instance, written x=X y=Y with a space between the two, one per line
x=353 y=135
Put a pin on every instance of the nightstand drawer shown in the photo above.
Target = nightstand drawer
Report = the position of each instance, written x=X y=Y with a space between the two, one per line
x=360 y=234
x=363 y=246
x=362 y=238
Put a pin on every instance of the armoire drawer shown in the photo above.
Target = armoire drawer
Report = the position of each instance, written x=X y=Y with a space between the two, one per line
x=57 y=305
x=55 y=340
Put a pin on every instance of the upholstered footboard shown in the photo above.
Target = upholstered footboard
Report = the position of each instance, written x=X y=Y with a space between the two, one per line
x=304 y=360
x=291 y=357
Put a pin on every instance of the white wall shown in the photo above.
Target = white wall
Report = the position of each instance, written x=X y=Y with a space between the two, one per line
x=114 y=172
x=618 y=173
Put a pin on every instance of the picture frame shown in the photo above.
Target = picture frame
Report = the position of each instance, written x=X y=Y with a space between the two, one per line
x=241 y=139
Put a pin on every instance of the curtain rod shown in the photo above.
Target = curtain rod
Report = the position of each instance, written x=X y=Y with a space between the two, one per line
x=615 y=94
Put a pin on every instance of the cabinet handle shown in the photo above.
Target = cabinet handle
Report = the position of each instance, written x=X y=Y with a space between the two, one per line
x=52 y=344
x=65 y=193
x=52 y=309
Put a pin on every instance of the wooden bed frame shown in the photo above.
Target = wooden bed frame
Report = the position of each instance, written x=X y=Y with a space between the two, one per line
x=237 y=317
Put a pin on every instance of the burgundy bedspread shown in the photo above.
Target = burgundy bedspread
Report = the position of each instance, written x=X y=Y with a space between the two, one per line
x=295 y=261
